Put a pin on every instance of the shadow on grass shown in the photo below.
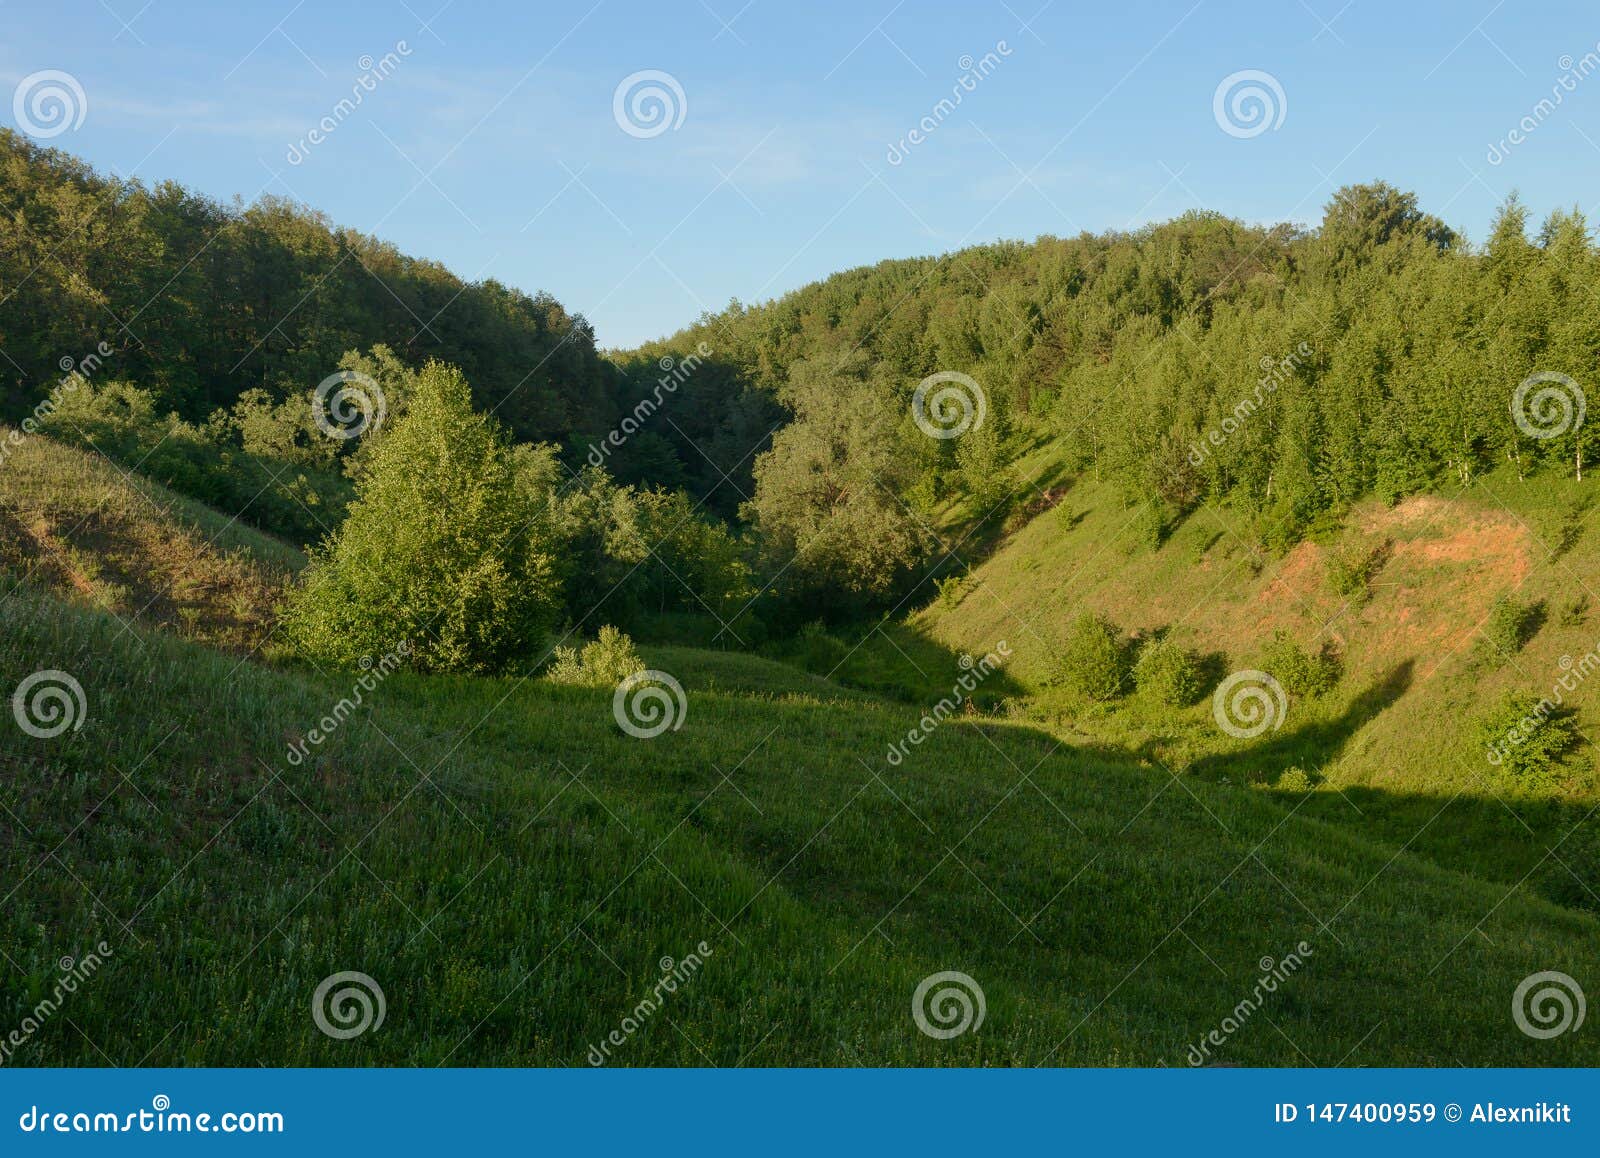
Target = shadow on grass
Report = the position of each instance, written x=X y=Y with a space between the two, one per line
x=1491 y=829
x=1314 y=744
x=900 y=663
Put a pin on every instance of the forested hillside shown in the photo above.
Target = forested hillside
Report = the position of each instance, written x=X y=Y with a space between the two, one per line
x=1283 y=373
x=202 y=301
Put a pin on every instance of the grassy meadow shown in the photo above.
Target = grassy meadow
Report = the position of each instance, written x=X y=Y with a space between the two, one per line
x=1164 y=647
x=513 y=869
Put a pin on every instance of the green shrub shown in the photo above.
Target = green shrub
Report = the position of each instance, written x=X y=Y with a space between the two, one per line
x=443 y=549
x=1169 y=673
x=819 y=652
x=1575 y=612
x=641 y=552
x=1093 y=658
x=1151 y=527
x=299 y=497
x=604 y=662
x=1201 y=547
x=1300 y=672
x=984 y=463
x=1350 y=571
x=951 y=589
x=1574 y=521
x=1511 y=623
x=1296 y=780
x=1525 y=737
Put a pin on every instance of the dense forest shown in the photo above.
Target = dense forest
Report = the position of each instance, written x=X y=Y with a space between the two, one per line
x=202 y=301
x=1282 y=371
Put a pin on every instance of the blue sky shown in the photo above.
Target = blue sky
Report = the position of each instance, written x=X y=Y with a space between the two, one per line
x=492 y=144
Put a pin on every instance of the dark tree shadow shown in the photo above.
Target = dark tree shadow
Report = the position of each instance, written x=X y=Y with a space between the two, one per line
x=1572 y=527
x=1313 y=744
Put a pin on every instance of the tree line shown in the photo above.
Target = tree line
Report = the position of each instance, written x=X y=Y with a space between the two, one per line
x=1285 y=372
x=203 y=301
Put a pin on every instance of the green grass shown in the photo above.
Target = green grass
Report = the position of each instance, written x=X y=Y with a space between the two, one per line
x=56 y=475
x=108 y=538
x=699 y=669
x=896 y=662
x=511 y=867
x=1394 y=746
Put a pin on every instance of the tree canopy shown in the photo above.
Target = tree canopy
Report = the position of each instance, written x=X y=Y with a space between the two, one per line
x=1283 y=371
x=444 y=548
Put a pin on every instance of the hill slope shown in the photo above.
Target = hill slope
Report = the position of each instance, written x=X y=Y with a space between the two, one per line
x=512 y=870
x=77 y=523
x=1396 y=742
